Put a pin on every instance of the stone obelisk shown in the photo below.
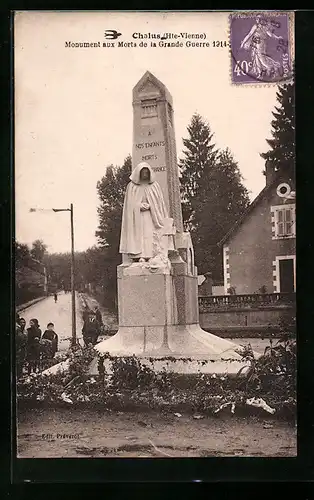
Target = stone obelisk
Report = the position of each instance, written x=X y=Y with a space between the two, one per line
x=158 y=312
x=154 y=139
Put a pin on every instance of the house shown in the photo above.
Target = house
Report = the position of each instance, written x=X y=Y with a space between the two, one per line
x=30 y=279
x=33 y=273
x=207 y=287
x=205 y=284
x=259 y=250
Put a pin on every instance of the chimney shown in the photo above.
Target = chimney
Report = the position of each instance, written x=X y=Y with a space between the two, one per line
x=269 y=172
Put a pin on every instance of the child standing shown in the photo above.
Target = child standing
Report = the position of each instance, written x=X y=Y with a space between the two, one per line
x=33 y=345
x=51 y=335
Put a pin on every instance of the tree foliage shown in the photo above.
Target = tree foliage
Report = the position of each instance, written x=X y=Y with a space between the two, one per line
x=88 y=268
x=38 y=250
x=281 y=155
x=29 y=278
x=199 y=158
x=213 y=194
x=59 y=269
x=111 y=190
x=22 y=254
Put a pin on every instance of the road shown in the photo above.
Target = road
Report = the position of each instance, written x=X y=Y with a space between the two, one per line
x=54 y=433
x=60 y=314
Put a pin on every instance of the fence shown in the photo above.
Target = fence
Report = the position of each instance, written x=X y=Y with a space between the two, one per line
x=263 y=300
x=246 y=315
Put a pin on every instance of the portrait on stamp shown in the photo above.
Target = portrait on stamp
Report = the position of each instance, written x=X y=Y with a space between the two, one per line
x=261 y=47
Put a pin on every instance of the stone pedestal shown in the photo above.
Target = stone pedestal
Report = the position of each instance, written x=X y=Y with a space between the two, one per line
x=158 y=317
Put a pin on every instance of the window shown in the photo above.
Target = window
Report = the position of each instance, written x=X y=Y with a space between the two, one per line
x=149 y=108
x=283 y=221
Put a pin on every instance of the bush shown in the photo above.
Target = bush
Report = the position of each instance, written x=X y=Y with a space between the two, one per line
x=271 y=378
x=80 y=360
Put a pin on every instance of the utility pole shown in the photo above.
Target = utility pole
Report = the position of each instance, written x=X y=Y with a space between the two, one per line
x=74 y=341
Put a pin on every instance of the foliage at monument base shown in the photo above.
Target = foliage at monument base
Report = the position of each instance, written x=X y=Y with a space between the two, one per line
x=268 y=389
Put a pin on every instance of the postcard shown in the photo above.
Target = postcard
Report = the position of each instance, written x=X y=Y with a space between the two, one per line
x=155 y=234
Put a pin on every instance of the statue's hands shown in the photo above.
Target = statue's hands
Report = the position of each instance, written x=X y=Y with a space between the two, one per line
x=144 y=206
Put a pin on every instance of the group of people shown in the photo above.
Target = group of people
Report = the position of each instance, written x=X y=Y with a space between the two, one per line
x=34 y=349
x=92 y=325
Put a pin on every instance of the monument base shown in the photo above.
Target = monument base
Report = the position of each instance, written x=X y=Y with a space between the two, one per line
x=158 y=323
x=174 y=348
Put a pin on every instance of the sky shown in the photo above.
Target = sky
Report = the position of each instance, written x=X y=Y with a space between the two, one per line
x=73 y=109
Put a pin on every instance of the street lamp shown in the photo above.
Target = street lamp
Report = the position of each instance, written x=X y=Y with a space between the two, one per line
x=72 y=263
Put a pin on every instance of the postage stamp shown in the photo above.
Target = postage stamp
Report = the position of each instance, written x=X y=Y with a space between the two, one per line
x=261 y=47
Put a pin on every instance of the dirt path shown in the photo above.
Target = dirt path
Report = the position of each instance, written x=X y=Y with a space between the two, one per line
x=77 y=433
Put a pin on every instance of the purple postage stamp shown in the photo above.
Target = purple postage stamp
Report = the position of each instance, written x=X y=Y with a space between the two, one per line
x=260 y=47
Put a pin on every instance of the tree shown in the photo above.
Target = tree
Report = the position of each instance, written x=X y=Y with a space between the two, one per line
x=222 y=201
x=213 y=195
x=59 y=269
x=22 y=254
x=39 y=250
x=111 y=190
x=89 y=266
x=281 y=155
x=29 y=277
x=199 y=157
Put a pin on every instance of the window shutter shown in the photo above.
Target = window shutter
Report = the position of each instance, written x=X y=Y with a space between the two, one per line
x=283 y=221
x=288 y=217
x=293 y=221
x=280 y=222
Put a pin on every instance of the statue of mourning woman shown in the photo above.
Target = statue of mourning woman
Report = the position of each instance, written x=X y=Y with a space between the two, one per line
x=147 y=230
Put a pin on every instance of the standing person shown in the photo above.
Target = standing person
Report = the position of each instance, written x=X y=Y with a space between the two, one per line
x=90 y=329
x=85 y=313
x=20 y=343
x=85 y=316
x=33 y=345
x=51 y=335
x=55 y=297
x=99 y=322
x=98 y=317
x=22 y=325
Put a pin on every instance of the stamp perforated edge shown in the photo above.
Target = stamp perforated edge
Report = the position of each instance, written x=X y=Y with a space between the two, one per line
x=291 y=17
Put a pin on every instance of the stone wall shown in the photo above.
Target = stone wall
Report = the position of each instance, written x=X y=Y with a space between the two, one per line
x=247 y=322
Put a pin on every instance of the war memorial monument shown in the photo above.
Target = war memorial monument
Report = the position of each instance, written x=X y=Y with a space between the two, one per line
x=157 y=279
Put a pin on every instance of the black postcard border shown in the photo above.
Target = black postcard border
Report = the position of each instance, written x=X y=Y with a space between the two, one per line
x=169 y=470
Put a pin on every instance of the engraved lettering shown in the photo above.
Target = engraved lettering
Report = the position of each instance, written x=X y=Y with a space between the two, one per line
x=159 y=169
x=154 y=144
x=149 y=157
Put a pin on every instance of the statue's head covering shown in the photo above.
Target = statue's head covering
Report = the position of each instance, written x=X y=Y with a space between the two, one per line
x=135 y=176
